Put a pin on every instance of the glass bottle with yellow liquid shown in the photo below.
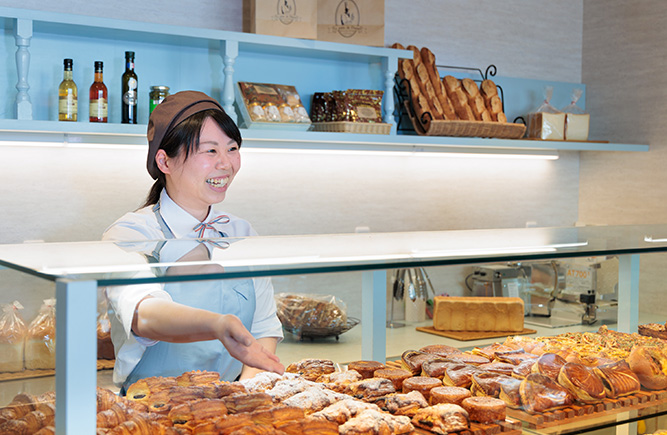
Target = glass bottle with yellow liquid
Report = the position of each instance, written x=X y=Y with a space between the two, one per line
x=67 y=95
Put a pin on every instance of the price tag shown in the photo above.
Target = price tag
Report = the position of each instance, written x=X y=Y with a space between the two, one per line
x=579 y=279
x=513 y=288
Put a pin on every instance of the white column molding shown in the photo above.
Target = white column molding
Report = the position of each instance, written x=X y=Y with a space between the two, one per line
x=23 y=35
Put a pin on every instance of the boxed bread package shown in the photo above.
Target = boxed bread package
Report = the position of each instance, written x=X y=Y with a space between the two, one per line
x=268 y=105
x=489 y=314
x=351 y=22
x=12 y=338
x=576 y=120
x=290 y=18
x=546 y=122
x=40 y=340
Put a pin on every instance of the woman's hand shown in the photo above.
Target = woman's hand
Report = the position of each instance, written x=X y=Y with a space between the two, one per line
x=242 y=345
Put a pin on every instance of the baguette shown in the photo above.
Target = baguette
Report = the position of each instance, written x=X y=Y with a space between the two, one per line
x=417 y=57
x=470 y=87
x=460 y=102
x=428 y=59
x=451 y=84
x=421 y=106
x=478 y=107
x=421 y=73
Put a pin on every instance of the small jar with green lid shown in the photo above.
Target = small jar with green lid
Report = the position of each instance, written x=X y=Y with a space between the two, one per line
x=157 y=94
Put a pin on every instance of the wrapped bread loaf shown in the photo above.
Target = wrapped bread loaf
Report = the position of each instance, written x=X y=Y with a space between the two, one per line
x=12 y=337
x=301 y=313
x=40 y=341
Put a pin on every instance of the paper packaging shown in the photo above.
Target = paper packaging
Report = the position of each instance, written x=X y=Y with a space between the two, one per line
x=351 y=21
x=290 y=18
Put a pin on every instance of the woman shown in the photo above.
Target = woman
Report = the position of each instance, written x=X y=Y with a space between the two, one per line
x=193 y=154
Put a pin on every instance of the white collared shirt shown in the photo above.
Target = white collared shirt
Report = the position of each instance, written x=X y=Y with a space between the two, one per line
x=143 y=225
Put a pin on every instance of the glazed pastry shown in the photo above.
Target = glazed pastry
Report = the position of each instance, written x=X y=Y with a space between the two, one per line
x=515 y=357
x=485 y=409
x=510 y=392
x=453 y=395
x=246 y=402
x=442 y=418
x=197 y=410
x=224 y=425
x=365 y=368
x=276 y=414
x=197 y=377
x=618 y=379
x=491 y=350
x=582 y=382
x=396 y=376
x=549 y=364
x=650 y=366
x=459 y=375
x=497 y=367
x=436 y=368
x=412 y=361
x=523 y=369
x=469 y=358
x=441 y=350
x=487 y=384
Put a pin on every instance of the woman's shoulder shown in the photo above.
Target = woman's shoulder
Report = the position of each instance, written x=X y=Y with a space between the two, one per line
x=238 y=227
x=136 y=225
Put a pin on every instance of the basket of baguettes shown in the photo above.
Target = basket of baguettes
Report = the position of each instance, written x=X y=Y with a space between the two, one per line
x=450 y=106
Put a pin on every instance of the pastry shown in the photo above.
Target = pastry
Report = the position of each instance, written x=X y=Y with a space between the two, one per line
x=423 y=384
x=491 y=350
x=486 y=384
x=338 y=381
x=342 y=411
x=441 y=350
x=412 y=360
x=365 y=368
x=442 y=418
x=469 y=358
x=497 y=367
x=197 y=377
x=289 y=387
x=515 y=357
x=40 y=339
x=523 y=369
x=376 y=422
x=618 y=379
x=371 y=388
x=263 y=381
x=582 y=382
x=276 y=414
x=396 y=376
x=485 y=409
x=246 y=402
x=549 y=364
x=308 y=426
x=459 y=375
x=314 y=399
x=449 y=395
x=540 y=393
x=437 y=367
x=650 y=365
x=404 y=404
x=657 y=330
x=510 y=392
x=311 y=368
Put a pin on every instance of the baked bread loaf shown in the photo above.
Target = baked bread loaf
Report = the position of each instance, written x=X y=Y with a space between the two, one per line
x=453 y=395
x=40 y=339
x=485 y=409
x=650 y=365
x=365 y=368
x=478 y=314
x=13 y=331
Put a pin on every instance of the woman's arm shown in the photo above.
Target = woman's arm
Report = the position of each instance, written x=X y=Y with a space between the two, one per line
x=163 y=320
x=268 y=343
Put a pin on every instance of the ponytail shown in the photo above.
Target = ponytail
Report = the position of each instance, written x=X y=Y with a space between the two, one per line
x=154 y=194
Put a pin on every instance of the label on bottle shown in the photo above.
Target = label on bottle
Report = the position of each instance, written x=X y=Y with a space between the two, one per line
x=98 y=108
x=67 y=105
x=130 y=98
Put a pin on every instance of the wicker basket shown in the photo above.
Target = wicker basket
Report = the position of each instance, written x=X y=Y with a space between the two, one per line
x=352 y=127
x=466 y=128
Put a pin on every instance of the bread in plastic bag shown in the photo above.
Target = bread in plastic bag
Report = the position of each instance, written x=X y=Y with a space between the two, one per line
x=576 y=120
x=546 y=122
x=12 y=337
x=105 y=349
x=40 y=340
x=311 y=315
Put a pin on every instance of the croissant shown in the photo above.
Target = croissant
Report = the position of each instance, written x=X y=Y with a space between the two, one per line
x=106 y=399
x=47 y=430
x=237 y=403
x=141 y=389
x=197 y=377
x=277 y=414
x=224 y=425
x=308 y=426
x=141 y=425
x=28 y=424
x=114 y=416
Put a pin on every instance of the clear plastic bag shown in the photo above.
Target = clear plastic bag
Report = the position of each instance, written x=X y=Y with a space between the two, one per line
x=105 y=349
x=40 y=341
x=312 y=315
x=576 y=120
x=546 y=122
x=12 y=336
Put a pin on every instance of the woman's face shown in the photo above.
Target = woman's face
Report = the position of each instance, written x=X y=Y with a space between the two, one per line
x=202 y=179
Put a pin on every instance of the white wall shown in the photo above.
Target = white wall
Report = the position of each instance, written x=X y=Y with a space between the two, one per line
x=623 y=66
x=56 y=194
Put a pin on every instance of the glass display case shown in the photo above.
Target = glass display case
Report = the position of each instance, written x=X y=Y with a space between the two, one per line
x=77 y=271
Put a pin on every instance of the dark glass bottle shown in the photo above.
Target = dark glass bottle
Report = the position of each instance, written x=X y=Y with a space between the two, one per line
x=129 y=88
x=98 y=96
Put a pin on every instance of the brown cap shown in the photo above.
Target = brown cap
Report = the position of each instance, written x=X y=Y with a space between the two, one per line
x=168 y=114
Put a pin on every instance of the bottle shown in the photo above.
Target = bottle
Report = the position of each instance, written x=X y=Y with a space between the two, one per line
x=129 y=88
x=67 y=95
x=98 y=96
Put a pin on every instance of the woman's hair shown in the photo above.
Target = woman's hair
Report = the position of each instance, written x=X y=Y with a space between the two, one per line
x=184 y=138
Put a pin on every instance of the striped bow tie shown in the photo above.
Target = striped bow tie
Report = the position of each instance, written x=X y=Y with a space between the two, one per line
x=203 y=226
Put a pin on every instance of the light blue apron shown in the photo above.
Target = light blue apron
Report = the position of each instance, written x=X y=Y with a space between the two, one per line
x=221 y=296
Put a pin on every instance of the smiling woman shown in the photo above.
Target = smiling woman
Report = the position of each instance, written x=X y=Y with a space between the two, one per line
x=230 y=326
